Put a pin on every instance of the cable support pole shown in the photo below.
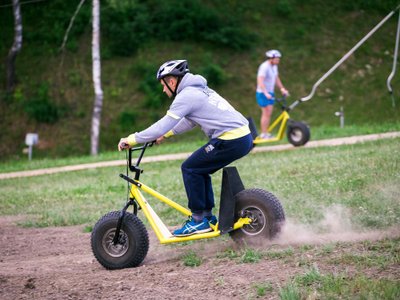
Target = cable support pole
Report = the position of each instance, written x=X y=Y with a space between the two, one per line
x=395 y=54
x=346 y=56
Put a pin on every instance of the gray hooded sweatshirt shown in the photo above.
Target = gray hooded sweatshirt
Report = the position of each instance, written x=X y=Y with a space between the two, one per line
x=195 y=105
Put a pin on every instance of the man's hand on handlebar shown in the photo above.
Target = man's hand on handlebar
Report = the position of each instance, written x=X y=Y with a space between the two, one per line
x=123 y=144
x=284 y=92
x=159 y=140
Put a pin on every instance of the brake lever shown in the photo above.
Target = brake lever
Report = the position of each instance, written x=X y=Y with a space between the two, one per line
x=152 y=143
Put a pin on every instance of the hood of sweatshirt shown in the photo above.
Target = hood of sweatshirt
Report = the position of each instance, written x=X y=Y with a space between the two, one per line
x=191 y=80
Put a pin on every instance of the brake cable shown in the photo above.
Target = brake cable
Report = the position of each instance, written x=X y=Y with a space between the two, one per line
x=127 y=174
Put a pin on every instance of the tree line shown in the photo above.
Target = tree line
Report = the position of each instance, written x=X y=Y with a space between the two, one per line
x=128 y=24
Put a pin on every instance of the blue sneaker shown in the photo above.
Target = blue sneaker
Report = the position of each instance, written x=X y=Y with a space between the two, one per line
x=192 y=227
x=212 y=220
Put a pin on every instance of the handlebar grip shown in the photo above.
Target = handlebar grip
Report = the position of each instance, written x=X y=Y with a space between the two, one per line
x=149 y=144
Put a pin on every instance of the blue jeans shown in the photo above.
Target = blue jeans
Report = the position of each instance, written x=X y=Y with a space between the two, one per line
x=210 y=158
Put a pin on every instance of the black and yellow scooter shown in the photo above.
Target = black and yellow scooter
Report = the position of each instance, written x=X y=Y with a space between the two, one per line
x=120 y=239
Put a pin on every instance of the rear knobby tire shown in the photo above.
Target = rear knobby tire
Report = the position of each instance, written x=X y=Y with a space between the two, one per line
x=266 y=213
x=131 y=248
x=298 y=133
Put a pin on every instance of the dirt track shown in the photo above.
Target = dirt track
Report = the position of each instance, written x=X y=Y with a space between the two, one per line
x=57 y=263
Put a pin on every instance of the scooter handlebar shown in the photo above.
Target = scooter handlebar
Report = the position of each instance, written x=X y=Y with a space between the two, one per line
x=282 y=99
x=143 y=146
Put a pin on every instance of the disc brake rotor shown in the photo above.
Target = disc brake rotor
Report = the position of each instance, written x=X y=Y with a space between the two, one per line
x=258 y=221
x=118 y=249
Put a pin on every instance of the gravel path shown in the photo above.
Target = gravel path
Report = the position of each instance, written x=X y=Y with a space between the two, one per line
x=177 y=156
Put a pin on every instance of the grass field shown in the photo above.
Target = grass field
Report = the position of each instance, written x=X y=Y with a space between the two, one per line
x=184 y=143
x=362 y=180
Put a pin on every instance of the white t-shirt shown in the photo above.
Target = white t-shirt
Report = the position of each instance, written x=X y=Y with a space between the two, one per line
x=269 y=72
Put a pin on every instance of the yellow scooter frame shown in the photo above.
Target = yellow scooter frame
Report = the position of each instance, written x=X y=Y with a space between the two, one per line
x=161 y=231
x=298 y=133
x=282 y=120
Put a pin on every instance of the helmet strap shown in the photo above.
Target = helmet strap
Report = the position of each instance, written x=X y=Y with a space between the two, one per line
x=176 y=87
x=177 y=84
x=167 y=85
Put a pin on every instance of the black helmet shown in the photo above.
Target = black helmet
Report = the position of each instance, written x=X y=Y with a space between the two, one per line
x=174 y=68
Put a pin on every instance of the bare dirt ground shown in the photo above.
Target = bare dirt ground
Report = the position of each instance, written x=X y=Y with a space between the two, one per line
x=57 y=263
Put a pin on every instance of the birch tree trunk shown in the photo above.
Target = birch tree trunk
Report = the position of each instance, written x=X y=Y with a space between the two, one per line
x=98 y=100
x=16 y=47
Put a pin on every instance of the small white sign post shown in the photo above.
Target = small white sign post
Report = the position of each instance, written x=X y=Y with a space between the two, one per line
x=340 y=114
x=31 y=139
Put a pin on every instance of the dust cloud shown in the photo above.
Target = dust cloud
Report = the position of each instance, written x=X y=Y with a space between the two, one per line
x=335 y=226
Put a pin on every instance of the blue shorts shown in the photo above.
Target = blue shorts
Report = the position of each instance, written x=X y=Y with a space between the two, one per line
x=263 y=101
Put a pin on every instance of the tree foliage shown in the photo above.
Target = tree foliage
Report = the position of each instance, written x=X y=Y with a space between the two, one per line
x=127 y=27
x=40 y=107
x=224 y=41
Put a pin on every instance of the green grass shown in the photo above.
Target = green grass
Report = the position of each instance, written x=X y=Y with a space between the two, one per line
x=262 y=288
x=347 y=271
x=185 y=143
x=289 y=292
x=346 y=282
x=280 y=254
x=358 y=183
x=251 y=255
x=334 y=286
x=175 y=146
x=370 y=254
x=229 y=254
x=191 y=259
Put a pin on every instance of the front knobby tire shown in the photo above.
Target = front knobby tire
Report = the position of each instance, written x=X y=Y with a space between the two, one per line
x=131 y=248
x=266 y=213
x=298 y=133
